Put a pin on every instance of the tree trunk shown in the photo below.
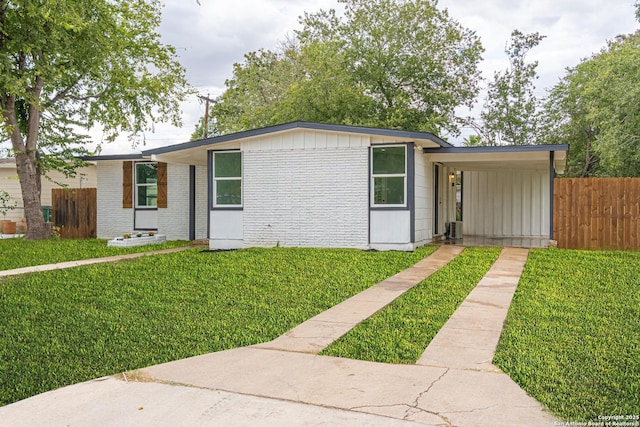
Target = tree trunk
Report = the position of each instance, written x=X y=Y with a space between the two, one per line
x=29 y=179
x=25 y=154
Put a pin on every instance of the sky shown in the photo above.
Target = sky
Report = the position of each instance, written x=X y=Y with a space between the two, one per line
x=211 y=35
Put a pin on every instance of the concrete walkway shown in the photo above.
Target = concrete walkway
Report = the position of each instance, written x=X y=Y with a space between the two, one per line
x=283 y=383
x=70 y=264
x=318 y=332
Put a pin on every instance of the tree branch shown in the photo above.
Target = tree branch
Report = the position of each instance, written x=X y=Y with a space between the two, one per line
x=63 y=93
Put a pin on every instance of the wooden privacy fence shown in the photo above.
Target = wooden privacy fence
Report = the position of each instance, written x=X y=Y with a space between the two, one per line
x=597 y=213
x=74 y=212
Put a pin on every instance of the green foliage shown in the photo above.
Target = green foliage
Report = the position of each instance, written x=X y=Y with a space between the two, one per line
x=5 y=203
x=25 y=253
x=572 y=334
x=400 y=332
x=595 y=110
x=386 y=63
x=67 y=66
x=509 y=112
x=510 y=109
x=66 y=326
x=86 y=63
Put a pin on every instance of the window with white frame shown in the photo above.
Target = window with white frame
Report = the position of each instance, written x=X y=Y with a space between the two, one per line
x=146 y=185
x=389 y=175
x=227 y=177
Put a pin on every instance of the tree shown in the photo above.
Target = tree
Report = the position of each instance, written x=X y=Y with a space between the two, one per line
x=388 y=63
x=509 y=112
x=69 y=65
x=595 y=110
x=415 y=62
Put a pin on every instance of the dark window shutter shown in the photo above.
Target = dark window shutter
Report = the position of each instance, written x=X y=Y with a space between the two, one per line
x=127 y=185
x=162 y=185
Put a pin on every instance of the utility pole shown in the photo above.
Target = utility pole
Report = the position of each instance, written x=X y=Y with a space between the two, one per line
x=206 y=100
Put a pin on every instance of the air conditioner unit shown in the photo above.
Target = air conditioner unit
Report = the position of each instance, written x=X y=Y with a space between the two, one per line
x=455 y=230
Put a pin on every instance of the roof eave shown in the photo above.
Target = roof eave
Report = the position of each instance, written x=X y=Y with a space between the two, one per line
x=298 y=125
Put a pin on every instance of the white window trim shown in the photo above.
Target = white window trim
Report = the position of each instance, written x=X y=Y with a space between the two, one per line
x=227 y=178
x=403 y=175
x=136 y=185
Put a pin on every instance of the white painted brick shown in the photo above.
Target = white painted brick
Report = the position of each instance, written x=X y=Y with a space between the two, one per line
x=315 y=197
x=173 y=221
x=112 y=219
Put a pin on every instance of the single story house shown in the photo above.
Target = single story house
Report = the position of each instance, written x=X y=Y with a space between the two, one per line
x=325 y=185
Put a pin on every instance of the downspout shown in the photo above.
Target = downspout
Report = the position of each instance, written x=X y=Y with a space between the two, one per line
x=552 y=175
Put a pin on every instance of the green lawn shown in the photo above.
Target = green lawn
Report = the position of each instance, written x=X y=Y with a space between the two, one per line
x=17 y=253
x=400 y=332
x=66 y=326
x=572 y=336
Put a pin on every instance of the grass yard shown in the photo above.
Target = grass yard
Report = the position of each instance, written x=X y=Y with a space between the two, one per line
x=18 y=253
x=66 y=326
x=400 y=332
x=572 y=336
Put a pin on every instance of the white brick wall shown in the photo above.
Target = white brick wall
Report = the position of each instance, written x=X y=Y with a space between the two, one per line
x=309 y=191
x=112 y=219
x=174 y=219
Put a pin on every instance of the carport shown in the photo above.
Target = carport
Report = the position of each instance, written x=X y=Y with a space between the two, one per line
x=506 y=191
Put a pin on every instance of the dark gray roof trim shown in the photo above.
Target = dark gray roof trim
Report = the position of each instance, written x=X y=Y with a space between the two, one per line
x=497 y=149
x=298 y=125
x=135 y=156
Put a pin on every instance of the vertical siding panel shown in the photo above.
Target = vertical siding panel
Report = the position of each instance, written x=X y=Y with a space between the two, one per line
x=507 y=183
x=321 y=140
x=526 y=205
x=544 y=205
x=477 y=219
x=536 y=201
x=343 y=141
x=486 y=218
x=468 y=196
x=309 y=140
x=496 y=207
x=516 y=200
x=557 y=211
x=287 y=141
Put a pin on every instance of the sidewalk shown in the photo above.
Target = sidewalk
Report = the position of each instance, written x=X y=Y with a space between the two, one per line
x=69 y=264
x=284 y=383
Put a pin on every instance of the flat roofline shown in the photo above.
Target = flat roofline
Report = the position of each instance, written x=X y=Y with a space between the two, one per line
x=497 y=149
x=135 y=156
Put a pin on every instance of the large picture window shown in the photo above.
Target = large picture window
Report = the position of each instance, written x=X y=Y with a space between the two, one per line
x=227 y=177
x=389 y=175
x=146 y=185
